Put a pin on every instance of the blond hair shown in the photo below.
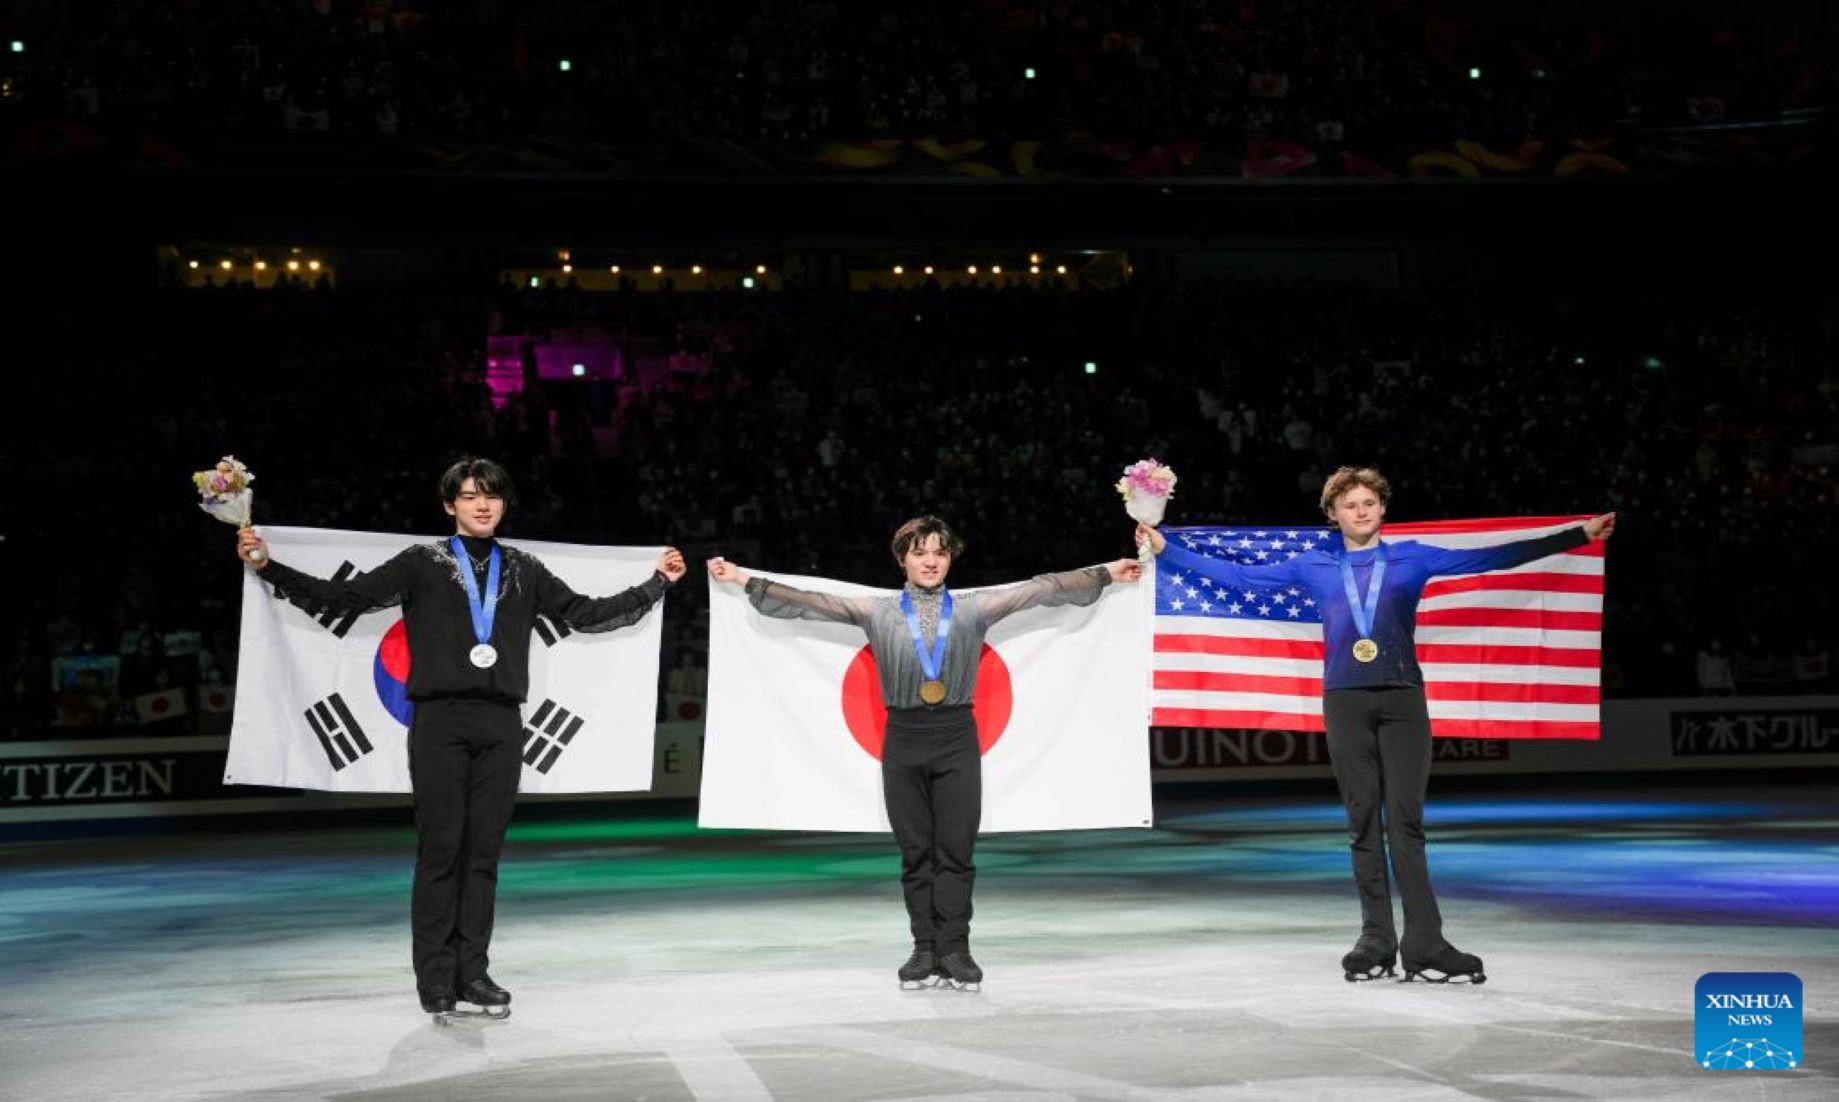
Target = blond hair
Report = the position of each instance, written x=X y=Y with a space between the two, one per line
x=1348 y=478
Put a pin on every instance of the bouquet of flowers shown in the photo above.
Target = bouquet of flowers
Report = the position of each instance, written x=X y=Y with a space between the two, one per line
x=225 y=493
x=1146 y=488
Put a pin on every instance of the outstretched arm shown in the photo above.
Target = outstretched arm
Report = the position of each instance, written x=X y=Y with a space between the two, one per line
x=1506 y=556
x=1069 y=587
x=557 y=601
x=372 y=589
x=784 y=602
x=1223 y=572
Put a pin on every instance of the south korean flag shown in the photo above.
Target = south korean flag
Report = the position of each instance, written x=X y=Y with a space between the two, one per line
x=322 y=694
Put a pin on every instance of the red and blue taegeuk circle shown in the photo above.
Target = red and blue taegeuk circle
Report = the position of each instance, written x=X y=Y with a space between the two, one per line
x=390 y=670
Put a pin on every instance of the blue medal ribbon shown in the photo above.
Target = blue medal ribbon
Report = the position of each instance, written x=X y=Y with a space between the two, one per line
x=1363 y=614
x=931 y=661
x=484 y=609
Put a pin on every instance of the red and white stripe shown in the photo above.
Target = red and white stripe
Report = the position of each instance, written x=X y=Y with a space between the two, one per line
x=1508 y=654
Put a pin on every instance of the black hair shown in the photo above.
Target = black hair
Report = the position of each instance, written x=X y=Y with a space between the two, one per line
x=487 y=476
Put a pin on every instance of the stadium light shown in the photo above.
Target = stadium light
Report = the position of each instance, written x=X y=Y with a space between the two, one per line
x=534 y=284
x=695 y=269
x=1028 y=73
x=614 y=269
x=928 y=269
x=313 y=264
x=1474 y=74
x=567 y=269
x=996 y=269
x=565 y=65
x=759 y=269
x=18 y=46
x=900 y=270
x=293 y=265
x=261 y=265
x=972 y=269
x=747 y=282
x=1091 y=367
x=657 y=269
x=1034 y=269
x=224 y=264
x=1060 y=269
x=579 y=370
x=192 y=264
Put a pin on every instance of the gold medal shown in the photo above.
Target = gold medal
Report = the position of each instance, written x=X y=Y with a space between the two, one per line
x=1366 y=650
x=932 y=692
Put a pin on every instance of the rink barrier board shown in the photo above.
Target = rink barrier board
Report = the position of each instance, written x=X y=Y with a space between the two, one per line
x=132 y=777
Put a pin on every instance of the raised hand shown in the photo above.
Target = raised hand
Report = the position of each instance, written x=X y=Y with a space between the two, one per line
x=726 y=572
x=251 y=548
x=1125 y=570
x=671 y=565
x=1600 y=528
x=1155 y=538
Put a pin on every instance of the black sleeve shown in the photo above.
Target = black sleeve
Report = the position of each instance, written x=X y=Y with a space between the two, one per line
x=380 y=588
x=557 y=601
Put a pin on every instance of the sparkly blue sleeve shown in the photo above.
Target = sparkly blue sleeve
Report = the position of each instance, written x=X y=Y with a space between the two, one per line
x=1226 y=573
x=1502 y=556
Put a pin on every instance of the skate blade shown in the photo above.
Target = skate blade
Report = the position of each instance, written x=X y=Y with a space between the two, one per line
x=474 y=1013
x=1377 y=972
x=1473 y=979
x=958 y=985
x=919 y=985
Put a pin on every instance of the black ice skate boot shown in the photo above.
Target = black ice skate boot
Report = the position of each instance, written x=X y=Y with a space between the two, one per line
x=1445 y=964
x=484 y=998
x=1369 y=959
x=959 y=971
x=436 y=1001
x=920 y=971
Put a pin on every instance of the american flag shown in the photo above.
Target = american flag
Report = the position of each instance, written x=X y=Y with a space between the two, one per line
x=1509 y=654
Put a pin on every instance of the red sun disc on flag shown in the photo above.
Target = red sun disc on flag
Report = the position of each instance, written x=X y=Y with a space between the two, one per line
x=867 y=717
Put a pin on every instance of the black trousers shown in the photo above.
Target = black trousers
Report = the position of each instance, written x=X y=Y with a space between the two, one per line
x=1379 y=745
x=932 y=778
x=464 y=763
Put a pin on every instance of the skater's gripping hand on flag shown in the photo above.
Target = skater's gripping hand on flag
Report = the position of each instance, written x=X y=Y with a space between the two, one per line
x=671 y=565
x=726 y=572
x=1156 y=540
x=1600 y=528
x=1125 y=570
x=251 y=548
